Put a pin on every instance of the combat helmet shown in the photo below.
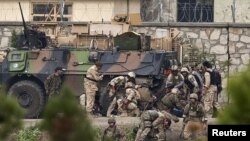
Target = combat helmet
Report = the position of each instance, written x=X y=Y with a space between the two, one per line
x=174 y=68
x=111 y=120
x=175 y=91
x=184 y=69
x=194 y=96
x=131 y=74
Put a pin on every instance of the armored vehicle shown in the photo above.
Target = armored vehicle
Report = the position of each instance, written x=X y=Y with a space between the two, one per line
x=24 y=71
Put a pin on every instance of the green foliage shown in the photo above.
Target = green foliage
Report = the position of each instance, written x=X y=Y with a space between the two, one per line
x=238 y=111
x=64 y=120
x=29 y=134
x=10 y=116
x=130 y=135
x=14 y=39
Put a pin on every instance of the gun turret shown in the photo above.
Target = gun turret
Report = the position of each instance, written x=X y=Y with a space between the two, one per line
x=24 y=27
x=31 y=38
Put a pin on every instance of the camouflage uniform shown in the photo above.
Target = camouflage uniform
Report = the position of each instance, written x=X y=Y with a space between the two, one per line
x=171 y=101
x=151 y=120
x=176 y=81
x=147 y=98
x=113 y=133
x=90 y=85
x=52 y=85
x=210 y=94
x=130 y=106
x=190 y=83
x=114 y=86
x=194 y=118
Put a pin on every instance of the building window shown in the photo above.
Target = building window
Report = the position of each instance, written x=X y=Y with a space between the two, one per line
x=195 y=10
x=51 y=12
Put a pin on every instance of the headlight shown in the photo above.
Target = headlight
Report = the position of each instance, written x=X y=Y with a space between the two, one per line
x=15 y=65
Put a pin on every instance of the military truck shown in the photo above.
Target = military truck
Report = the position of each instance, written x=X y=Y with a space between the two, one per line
x=23 y=71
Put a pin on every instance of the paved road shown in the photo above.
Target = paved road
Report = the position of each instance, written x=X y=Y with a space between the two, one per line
x=121 y=121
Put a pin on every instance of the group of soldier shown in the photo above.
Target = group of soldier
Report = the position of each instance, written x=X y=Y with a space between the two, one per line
x=190 y=92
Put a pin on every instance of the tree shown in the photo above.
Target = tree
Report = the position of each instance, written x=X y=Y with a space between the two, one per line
x=65 y=120
x=238 y=111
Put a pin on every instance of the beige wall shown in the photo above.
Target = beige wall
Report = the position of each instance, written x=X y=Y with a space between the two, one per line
x=223 y=12
x=83 y=10
x=10 y=11
x=96 y=10
x=92 y=10
x=121 y=6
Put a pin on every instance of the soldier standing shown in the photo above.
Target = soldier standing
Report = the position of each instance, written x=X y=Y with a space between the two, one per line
x=195 y=71
x=53 y=82
x=210 y=90
x=90 y=85
x=152 y=120
x=112 y=132
x=194 y=118
x=189 y=81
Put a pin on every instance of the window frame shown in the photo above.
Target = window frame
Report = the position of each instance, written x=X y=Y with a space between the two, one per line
x=53 y=15
x=210 y=17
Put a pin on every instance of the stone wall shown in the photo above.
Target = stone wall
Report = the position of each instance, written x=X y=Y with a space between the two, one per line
x=213 y=41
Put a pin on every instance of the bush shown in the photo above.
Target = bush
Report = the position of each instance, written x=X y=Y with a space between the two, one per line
x=10 y=116
x=29 y=134
x=65 y=120
x=238 y=111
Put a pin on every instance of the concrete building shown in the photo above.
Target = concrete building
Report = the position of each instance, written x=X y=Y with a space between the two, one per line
x=74 y=10
x=151 y=10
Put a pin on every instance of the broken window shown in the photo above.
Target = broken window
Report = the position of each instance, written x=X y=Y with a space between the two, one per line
x=195 y=10
x=51 y=12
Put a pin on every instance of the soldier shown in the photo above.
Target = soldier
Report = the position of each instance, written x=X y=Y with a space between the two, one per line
x=152 y=120
x=35 y=28
x=175 y=79
x=53 y=82
x=210 y=90
x=90 y=85
x=128 y=105
x=115 y=86
x=147 y=99
x=189 y=81
x=172 y=103
x=194 y=118
x=199 y=78
x=113 y=132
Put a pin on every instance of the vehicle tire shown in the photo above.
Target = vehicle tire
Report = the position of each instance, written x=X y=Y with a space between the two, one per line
x=104 y=101
x=30 y=96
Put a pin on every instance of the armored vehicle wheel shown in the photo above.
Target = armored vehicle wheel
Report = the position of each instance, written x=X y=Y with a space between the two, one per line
x=104 y=101
x=29 y=96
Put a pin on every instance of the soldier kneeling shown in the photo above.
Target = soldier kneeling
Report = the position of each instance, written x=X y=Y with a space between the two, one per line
x=152 y=120
x=112 y=132
x=194 y=118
